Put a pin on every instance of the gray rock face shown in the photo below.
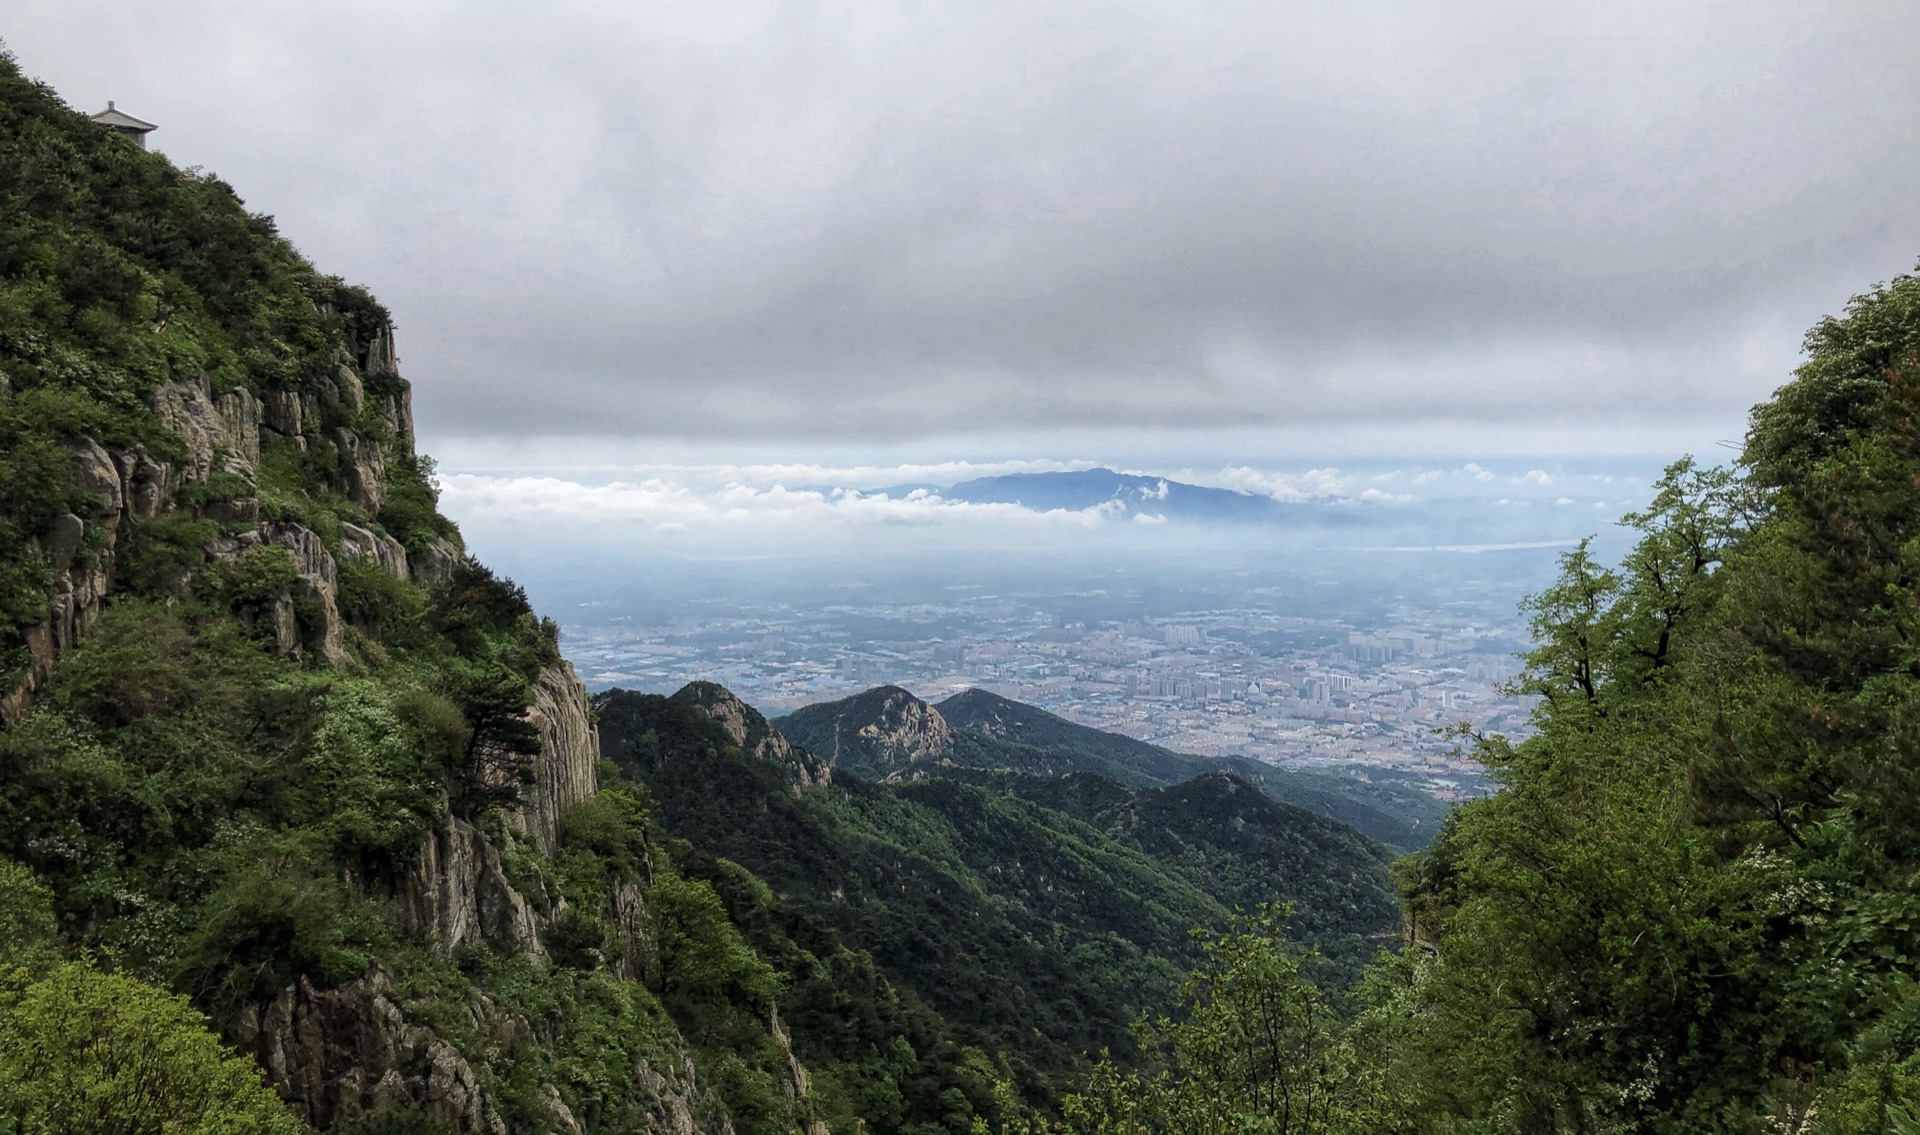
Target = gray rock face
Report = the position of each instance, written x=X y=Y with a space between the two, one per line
x=676 y=1094
x=885 y=733
x=357 y=543
x=324 y=631
x=366 y=468
x=746 y=728
x=308 y=617
x=381 y=357
x=282 y=413
x=909 y=728
x=634 y=924
x=81 y=574
x=337 y=1054
x=221 y=432
x=351 y=392
x=564 y=773
x=435 y=562
x=457 y=893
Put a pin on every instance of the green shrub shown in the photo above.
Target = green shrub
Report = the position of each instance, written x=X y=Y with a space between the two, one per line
x=219 y=488
x=26 y=917
x=411 y=509
x=703 y=959
x=155 y=559
x=612 y=824
x=89 y=1053
x=377 y=601
x=266 y=926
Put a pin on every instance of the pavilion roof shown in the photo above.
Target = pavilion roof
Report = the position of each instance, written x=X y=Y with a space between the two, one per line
x=121 y=120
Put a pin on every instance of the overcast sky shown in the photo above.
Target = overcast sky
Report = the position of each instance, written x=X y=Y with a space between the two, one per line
x=876 y=224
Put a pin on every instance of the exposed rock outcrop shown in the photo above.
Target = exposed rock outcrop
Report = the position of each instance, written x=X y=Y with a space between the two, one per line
x=676 y=1093
x=324 y=631
x=884 y=733
x=564 y=773
x=284 y=413
x=633 y=924
x=908 y=728
x=749 y=730
x=221 y=432
x=337 y=1054
x=457 y=893
x=79 y=552
x=378 y=548
x=435 y=562
x=366 y=469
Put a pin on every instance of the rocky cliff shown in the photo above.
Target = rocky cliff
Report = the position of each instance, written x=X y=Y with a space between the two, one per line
x=569 y=749
x=270 y=737
x=218 y=433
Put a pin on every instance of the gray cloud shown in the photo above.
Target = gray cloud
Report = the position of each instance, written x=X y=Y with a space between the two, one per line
x=843 y=220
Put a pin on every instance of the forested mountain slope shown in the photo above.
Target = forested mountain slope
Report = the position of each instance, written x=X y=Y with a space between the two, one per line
x=270 y=740
x=1037 y=925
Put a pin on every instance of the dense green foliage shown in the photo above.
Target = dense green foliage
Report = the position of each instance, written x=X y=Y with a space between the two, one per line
x=1036 y=915
x=84 y=1051
x=1254 y=1047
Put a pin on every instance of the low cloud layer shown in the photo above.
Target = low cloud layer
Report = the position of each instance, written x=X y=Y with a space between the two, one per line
x=766 y=511
x=852 y=221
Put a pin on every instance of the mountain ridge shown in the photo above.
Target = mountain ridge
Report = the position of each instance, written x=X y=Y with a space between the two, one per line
x=989 y=731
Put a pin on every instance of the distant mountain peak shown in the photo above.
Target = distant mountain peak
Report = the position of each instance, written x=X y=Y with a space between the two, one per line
x=743 y=723
x=881 y=732
x=742 y=726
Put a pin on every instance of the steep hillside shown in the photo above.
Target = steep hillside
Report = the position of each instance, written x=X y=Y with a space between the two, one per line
x=268 y=738
x=1038 y=926
x=1078 y=747
x=1233 y=841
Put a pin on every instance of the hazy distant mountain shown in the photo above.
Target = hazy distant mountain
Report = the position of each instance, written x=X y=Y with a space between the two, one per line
x=1131 y=494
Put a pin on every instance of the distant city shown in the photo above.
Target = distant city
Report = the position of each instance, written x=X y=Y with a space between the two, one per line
x=1291 y=674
